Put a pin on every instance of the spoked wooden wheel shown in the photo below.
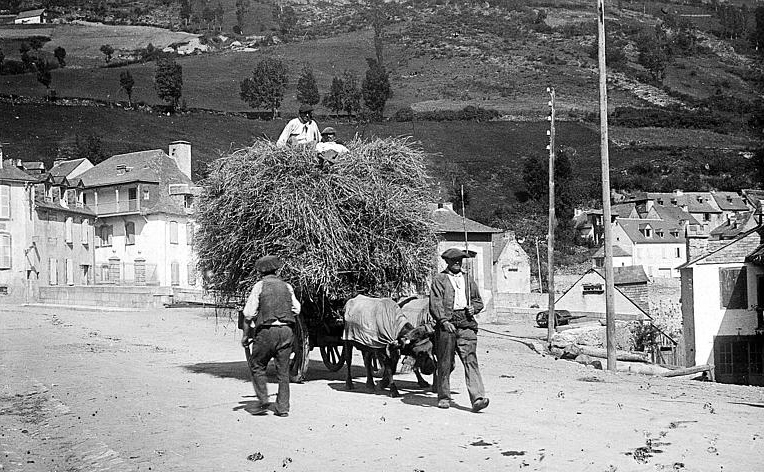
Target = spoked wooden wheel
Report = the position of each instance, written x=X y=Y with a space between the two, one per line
x=333 y=358
x=298 y=364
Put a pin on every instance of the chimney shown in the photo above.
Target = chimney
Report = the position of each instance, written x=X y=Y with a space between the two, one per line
x=649 y=205
x=180 y=152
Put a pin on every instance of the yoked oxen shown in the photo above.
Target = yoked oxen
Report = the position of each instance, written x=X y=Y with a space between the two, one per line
x=377 y=326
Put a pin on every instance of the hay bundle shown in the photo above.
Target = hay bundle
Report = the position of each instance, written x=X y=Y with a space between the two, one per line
x=361 y=225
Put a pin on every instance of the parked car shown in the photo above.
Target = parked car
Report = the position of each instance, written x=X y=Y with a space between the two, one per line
x=562 y=317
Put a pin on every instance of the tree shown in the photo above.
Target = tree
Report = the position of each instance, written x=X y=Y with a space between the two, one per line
x=653 y=55
x=242 y=10
x=24 y=48
x=333 y=99
x=126 y=83
x=185 y=10
x=377 y=13
x=43 y=73
x=107 y=50
x=307 y=89
x=36 y=42
x=89 y=147
x=758 y=33
x=60 y=54
x=351 y=96
x=168 y=80
x=219 y=12
x=208 y=15
x=265 y=89
x=2 y=58
x=287 y=19
x=376 y=88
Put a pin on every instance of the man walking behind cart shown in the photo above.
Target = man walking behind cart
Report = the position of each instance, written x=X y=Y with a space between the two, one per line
x=271 y=310
x=454 y=301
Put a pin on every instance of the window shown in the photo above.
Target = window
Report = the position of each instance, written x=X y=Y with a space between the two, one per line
x=84 y=231
x=5 y=201
x=191 y=273
x=145 y=194
x=647 y=232
x=659 y=233
x=592 y=288
x=173 y=232
x=660 y=201
x=706 y=216
x=174 y=273
x=678 y=252
x=53 y=271
x=5 y=251
x=129 y=233
x=189 y=233
x=69 y=272
x=104 y=234
x=68 y=229
x=733 y=288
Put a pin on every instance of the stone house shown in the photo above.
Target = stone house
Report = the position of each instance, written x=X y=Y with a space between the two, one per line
x=586 y=297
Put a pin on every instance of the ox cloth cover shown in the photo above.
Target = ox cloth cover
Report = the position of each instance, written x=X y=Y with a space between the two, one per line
x=373 y=322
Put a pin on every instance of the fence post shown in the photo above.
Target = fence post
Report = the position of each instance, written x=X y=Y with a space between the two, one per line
x=140 y=271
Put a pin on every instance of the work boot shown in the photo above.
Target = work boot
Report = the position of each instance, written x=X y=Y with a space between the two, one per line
x=444 y=403
x=479 y=404
x=282 y=414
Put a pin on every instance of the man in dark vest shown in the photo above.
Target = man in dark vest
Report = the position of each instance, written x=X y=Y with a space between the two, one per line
x=454 y=301
x=271 y=310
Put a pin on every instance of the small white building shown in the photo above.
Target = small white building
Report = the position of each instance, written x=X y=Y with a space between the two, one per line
x=511 y=265
x=31 y=17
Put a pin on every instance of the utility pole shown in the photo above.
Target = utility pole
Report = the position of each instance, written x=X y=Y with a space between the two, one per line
x=551 y=318
x=538 y=263
x=609 y=286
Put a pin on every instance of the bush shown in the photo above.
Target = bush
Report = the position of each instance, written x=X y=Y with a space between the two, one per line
x=404 y=114
x=13 y=67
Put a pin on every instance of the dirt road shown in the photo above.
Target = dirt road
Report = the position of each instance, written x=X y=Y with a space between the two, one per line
x=168 y=390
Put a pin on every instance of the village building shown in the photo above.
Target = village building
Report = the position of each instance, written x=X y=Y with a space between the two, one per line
x=144 y=227
x=31 y=17
x=586 y=297
x=70 y=168
x=722 y=303
x=32 y=167
x=511 y=265
x=657 y=245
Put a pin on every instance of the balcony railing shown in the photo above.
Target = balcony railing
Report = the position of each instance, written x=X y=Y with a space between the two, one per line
x=111 y=208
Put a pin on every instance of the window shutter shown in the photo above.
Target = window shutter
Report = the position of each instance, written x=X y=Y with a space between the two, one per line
x=69 y=272
x=175 y=273
x=173 y=232
x=5 y=201
x=5 y=251
x=53 y=271
x=68 y=229
x=733 y=288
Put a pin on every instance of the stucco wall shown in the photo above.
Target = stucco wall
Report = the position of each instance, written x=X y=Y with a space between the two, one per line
x=576 y=301
x=481 y=267
x=512 y=270
x=19 y=227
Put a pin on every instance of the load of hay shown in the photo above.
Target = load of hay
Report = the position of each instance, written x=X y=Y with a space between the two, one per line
x=359 y=226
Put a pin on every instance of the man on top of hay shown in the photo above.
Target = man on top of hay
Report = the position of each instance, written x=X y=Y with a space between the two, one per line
x=271 y=309
x=454 y=301
x=301 y=130
x=328 y=149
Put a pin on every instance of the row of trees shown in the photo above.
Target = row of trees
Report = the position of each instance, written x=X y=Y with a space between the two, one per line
x=270 y=77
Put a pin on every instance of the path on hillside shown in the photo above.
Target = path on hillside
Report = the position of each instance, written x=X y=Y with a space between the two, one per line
x=168 y=390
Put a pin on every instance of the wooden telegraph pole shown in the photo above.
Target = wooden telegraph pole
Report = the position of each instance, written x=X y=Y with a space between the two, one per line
x=551 y=318
x=609 y=287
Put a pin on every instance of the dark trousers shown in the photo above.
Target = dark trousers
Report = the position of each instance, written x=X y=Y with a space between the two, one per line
x=463 y=342
x=274 y=342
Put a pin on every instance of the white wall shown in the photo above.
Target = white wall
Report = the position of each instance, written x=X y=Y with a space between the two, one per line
x=19 y=226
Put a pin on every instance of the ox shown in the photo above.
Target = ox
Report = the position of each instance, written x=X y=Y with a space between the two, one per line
x=377 y=326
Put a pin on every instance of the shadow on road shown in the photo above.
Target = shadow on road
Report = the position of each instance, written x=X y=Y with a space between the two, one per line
x=239 y=370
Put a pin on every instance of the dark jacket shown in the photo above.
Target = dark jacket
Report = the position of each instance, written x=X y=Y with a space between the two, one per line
x=442 y=302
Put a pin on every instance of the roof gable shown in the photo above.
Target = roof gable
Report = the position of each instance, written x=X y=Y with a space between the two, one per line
x=622 y=301
x=143 y=166
x=10 y=172
x=734 y=251
x=448 y=221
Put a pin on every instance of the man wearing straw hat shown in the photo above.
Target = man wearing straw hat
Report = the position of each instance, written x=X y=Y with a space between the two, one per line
x=271 y=310
x=328 y=149
x=300 y=130
x=454 y=301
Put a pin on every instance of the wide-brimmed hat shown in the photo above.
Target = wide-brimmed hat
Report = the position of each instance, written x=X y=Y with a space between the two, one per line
x=328 y=130
x=268 y=264
x=454 y=253
x=305 y=108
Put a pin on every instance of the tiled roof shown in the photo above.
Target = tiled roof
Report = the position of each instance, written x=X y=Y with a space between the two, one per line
x=33 y=165
x=674 y=214
x=631 y=228
x=624 y=210
x=754 y=197
x=65 y=168
x=734 y=226
x=448 y=221
x=30 y=13
x=57 y=207
x=626 y=275
x=729 y=201
x=12 y=173
x=689 y=199
x=618 y=251
x=736 y=250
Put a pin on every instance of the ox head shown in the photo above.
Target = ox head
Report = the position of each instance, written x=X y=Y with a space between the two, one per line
x=416 y=343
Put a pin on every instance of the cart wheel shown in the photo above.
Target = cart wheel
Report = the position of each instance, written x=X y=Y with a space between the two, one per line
x=333 y=358
x=298 y=365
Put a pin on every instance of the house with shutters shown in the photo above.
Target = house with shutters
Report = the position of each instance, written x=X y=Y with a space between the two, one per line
x=657 y=245
x=722 y=308
x=144 y=227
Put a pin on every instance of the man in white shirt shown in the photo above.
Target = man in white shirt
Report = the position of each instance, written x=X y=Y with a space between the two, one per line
x=301 y=130
x=454 y=302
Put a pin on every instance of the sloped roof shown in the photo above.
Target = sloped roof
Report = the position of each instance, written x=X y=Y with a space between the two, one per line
x=631 y=228
x=10 y=172
x=449 y=221
x=689 y=199
x=33 y=165
x=736 y=250
x=30 y=13
x=153 y=166
x=674 y=214
x=624 y=210
x=734 y=226
x=618 y=251
x=729 y=201
x=85 y=210
x=64 y=168
x=753 y=196
x=627 y=276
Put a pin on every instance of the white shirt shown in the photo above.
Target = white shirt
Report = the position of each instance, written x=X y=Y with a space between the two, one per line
x=460 y=296
x=331 y=146
x=253 y=302
x=297 y=132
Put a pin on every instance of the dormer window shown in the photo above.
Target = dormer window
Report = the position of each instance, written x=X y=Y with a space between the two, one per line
x=675 y=233
x=700 y=199
x=659 y=233
x=121 y=169
x=647 y=232
x=660 y=201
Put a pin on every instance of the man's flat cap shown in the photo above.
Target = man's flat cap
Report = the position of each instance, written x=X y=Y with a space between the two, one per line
x=268 y=264
x=455 y=253
x=305 y=108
